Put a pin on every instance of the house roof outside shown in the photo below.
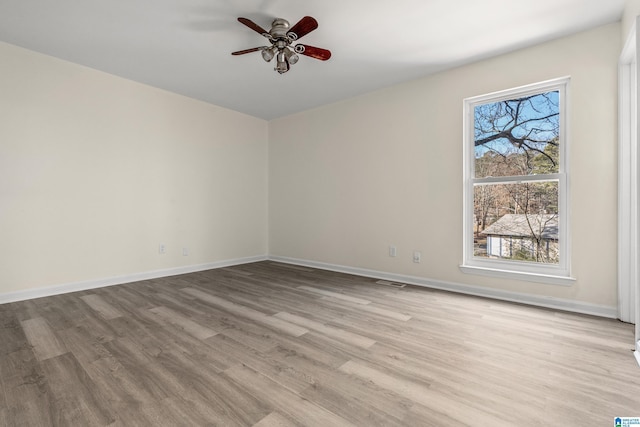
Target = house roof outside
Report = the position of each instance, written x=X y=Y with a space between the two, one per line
x=521 y=225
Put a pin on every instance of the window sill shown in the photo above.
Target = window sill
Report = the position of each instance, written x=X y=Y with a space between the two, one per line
x=547 y=279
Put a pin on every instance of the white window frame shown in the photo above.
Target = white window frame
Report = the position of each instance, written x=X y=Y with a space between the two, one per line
x=558 y=274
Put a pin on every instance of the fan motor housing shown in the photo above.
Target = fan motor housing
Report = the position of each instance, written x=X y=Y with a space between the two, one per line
x=279 y=28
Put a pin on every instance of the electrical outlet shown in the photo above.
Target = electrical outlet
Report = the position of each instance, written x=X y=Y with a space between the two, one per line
x=417 y=257
x=185 y=251
x=162 y=248
x=393 y=251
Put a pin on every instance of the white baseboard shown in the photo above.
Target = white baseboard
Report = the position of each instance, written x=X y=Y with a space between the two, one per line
x=637 y=355
x=536 y=300
x=119 y=280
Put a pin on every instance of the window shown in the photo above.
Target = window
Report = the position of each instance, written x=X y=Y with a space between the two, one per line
x=515 y=175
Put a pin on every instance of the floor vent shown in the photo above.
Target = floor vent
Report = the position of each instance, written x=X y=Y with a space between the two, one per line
x=392 y=284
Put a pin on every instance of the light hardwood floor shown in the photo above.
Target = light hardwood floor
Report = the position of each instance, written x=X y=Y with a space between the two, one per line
x=269 y=344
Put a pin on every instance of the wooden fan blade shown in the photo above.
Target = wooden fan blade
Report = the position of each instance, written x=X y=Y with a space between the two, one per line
x=303 y=27
x=314 y=52
x=242 y=52
x=255 y=27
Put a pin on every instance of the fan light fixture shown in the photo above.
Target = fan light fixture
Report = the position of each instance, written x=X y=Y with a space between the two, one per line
x=269 y=53
x=285 y=57
x=281 y=38
x=291 y=56
x=282 y=65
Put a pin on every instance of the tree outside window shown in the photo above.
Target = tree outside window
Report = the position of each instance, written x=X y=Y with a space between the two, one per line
x=515 y=176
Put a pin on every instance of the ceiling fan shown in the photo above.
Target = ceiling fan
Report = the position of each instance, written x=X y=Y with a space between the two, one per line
x=282 y=36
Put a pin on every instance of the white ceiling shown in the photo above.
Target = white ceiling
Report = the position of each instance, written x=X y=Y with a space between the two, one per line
x=184 y=46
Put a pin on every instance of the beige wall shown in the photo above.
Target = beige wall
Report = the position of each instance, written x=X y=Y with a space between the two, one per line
x=96 y=171
x=631 y=11
x=348 y=180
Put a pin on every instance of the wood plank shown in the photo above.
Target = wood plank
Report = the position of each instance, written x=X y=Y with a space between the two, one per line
x=196 y=411
x=249 y=313
x=370 y=308
x=336 y=333
x=25 y=390
x=288 y=402
x=254 y=336
x=275 y=419
x=83 y=344
x=12 y=335
x=422 y=394
x=143 y=372
x=97 y=303
x=270 y=364
x=336 y=295
x=41 y=337
x=77 y=399
x=331 y=388
x=189 y=326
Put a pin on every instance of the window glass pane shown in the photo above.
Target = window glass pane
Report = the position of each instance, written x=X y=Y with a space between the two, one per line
x=517 y=221
x=517 y=136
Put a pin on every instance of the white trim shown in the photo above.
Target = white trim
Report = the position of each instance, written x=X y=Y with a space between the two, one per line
x=535 y=300
x=628 y=268
x=534 y=272
x=548 y=279
x=517 y=179
x=530 y=89
x=119 y=280
x=637 y=355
